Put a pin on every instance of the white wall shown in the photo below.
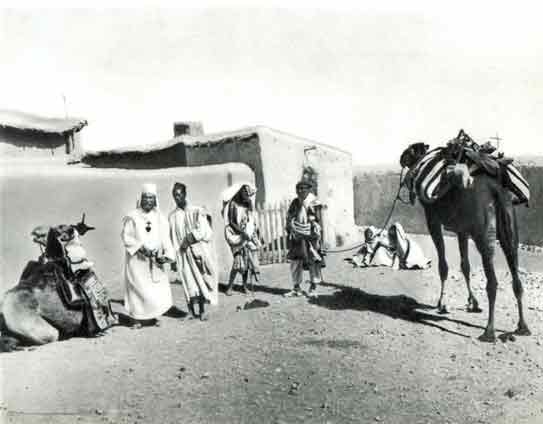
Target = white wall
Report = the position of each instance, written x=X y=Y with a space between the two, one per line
x=35 y=194
x=283 y=160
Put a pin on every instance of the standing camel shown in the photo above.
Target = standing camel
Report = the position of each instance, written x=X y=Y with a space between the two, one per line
x=483 y=211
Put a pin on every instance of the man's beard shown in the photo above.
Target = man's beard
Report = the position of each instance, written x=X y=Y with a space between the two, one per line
x=146 y=207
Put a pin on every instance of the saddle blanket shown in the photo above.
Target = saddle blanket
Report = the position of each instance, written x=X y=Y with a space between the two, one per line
x=430 y=184
x=518 y=185
x=99 y=310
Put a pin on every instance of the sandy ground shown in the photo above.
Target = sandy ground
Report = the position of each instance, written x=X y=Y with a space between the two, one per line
x=369 y=349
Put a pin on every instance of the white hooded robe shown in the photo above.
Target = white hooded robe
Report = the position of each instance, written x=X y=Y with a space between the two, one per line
x=147 y=291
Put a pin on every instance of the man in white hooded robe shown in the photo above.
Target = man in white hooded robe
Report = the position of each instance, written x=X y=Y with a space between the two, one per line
x=145 y=235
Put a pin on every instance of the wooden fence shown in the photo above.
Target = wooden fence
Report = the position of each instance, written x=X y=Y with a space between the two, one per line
x=271 y=220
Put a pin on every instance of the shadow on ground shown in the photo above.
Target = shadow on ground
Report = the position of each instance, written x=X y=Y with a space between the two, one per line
x=256 y=288
x=126 y=321
x=397 y=307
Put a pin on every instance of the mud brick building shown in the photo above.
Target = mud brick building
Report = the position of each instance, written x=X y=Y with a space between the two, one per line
x=32 y=136
x=277 y=159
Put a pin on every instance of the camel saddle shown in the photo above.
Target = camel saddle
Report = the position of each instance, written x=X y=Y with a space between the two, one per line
x=97 y=305
x=435 y=172
x=82 y=291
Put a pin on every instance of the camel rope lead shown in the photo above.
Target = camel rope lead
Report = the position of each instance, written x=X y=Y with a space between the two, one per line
x=358 y=245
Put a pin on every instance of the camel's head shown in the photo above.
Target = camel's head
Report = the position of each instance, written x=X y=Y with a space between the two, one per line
x=63 y=232
x=39 y=234
x=42 y=233
x=412 y=154
x=54 y=238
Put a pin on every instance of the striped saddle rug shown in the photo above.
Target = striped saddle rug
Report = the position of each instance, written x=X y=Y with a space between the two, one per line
x=98 y=313
x=429 y=183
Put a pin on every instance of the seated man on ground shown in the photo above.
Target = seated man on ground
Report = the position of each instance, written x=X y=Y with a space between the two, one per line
x=408 y=253
x=392 y=249
x=376 y=250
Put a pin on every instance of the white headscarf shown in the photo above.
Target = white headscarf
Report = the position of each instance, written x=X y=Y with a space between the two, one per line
x=231 y=191
x=148 y=188
x=228 y=194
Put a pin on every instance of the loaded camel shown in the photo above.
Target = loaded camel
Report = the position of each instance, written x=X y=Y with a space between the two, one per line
x=476 y=206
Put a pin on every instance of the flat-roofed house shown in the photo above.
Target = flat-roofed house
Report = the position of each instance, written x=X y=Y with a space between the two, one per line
x=277 y=159
x=27 y=135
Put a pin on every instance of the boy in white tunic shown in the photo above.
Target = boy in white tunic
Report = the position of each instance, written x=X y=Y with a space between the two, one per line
x=145 y=236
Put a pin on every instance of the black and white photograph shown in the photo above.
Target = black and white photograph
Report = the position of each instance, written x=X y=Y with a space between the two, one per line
x=279 y=212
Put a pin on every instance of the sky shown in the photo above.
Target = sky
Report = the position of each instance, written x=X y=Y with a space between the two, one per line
x=367 y=79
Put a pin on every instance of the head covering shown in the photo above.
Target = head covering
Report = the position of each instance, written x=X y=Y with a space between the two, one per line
x=149 y=188
x=231 y=191
x=228 y=193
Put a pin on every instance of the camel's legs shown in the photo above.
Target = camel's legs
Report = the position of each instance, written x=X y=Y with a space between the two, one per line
x=508 y=237
x=473 y=304
x=21 y=317
x=434 y=226
x=491 y=288
x=485 y=243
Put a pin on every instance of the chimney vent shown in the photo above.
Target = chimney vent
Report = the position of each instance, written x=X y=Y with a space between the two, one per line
x=187 y=128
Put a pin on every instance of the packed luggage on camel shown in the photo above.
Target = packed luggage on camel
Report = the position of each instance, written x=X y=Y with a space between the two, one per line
x=471 y=190
x=432 y=173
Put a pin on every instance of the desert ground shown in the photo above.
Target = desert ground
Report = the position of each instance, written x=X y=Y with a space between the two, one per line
x=369 y=349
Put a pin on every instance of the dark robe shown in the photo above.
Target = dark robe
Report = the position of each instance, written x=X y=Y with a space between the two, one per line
x=307 y=248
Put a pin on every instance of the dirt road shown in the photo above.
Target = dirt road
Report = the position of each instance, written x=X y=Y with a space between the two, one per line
x=369 y=349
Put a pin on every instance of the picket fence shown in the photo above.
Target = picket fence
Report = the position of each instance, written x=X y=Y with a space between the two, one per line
x=271 y=220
